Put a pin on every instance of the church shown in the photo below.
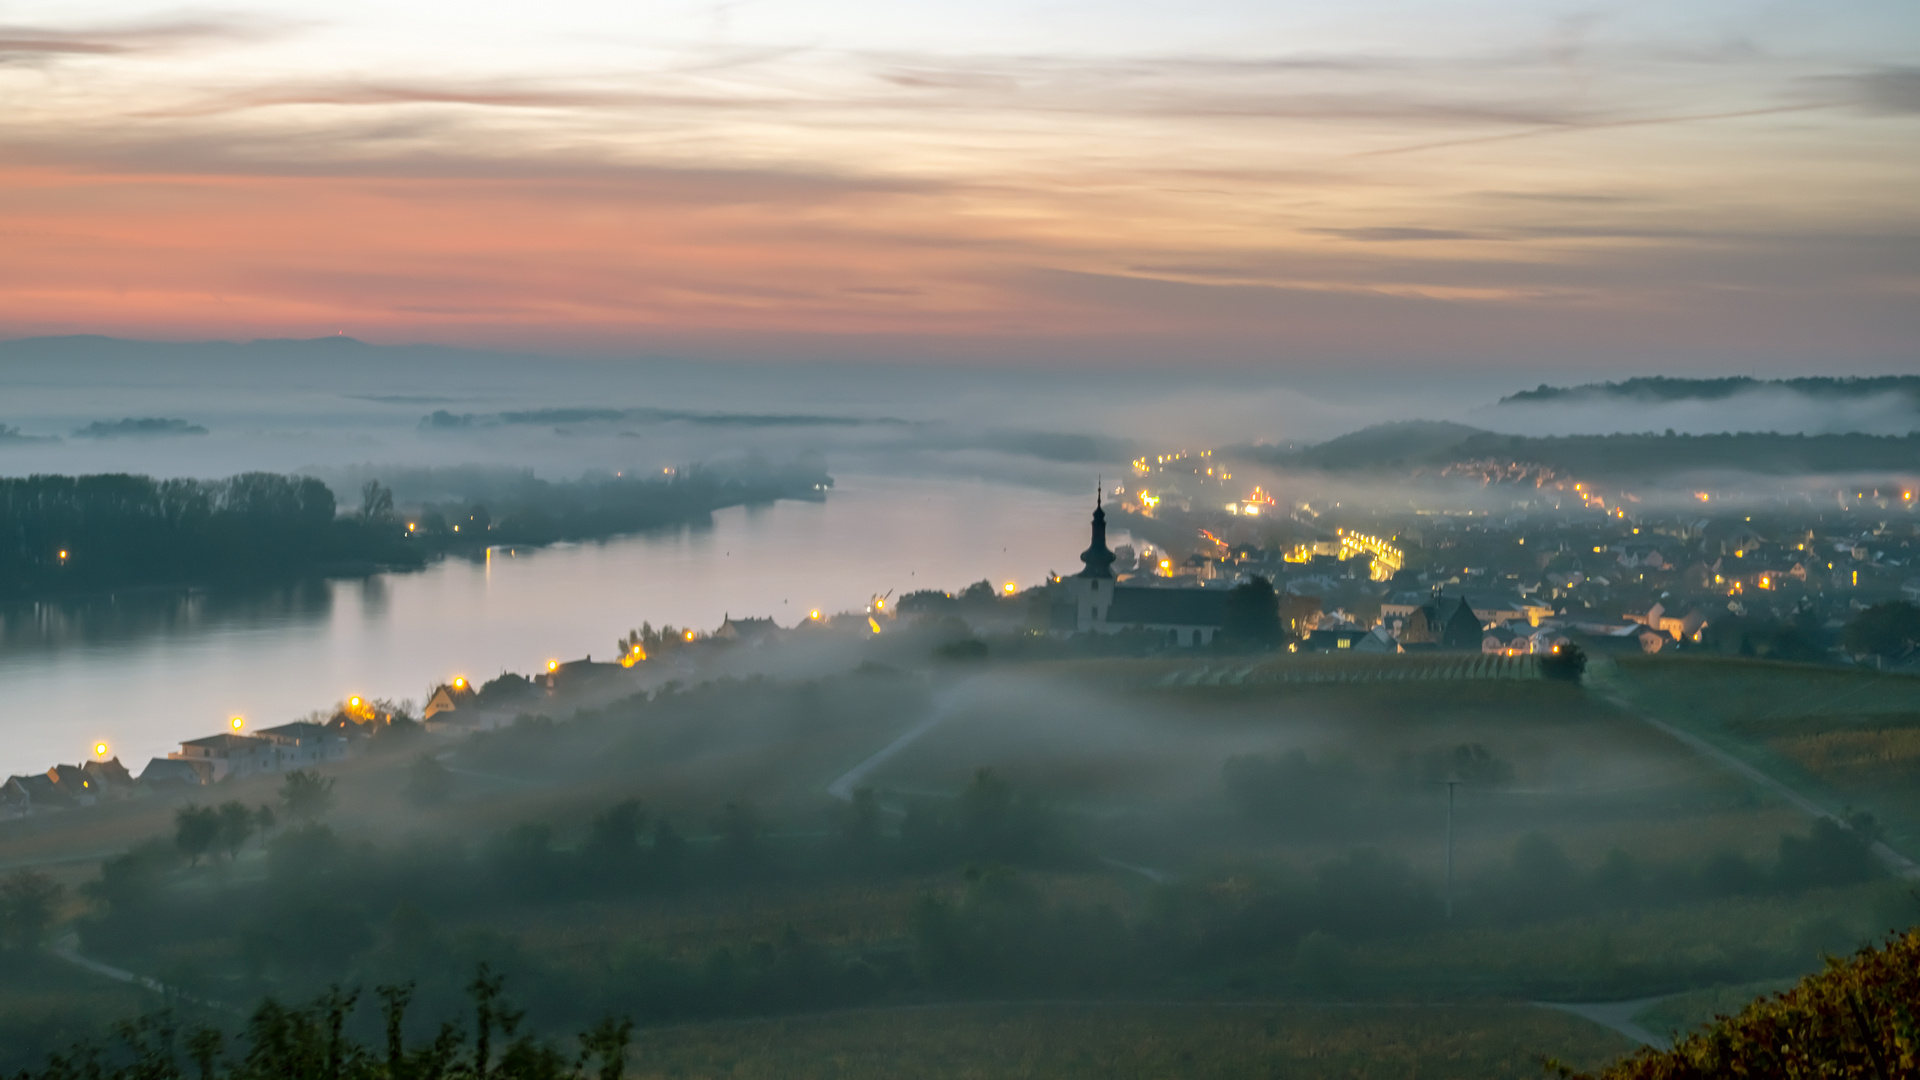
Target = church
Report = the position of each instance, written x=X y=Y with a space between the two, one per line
x=1098 y=603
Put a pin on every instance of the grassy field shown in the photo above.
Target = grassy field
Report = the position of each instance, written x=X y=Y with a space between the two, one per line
x=1682 y=1013
x=1846 y=738
x=1074 y=1041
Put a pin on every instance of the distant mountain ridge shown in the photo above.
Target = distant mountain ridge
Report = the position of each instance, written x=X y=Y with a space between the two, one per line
x=1424 y=444
x=1660 y=388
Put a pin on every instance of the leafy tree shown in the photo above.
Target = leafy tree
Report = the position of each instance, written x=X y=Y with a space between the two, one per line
x=195 y=830
x=306 y=795
x=28 y=902
x=1888 y=629
x=1253 y=614
x=428 y=781
x=1830 y=854
x=613 y=837
x=1566 y=663
x=237 y=823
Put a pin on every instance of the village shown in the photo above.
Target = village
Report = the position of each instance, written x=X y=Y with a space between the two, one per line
x=1565 y=567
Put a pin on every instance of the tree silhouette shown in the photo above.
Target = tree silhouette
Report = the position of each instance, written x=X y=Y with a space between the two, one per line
x=306 y=794
x=195 y=830
x=28 y=901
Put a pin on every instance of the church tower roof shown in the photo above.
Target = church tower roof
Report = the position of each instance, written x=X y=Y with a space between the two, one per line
x=1097 y=560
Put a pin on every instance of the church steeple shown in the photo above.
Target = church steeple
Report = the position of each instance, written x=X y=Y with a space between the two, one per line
x=1097 y=559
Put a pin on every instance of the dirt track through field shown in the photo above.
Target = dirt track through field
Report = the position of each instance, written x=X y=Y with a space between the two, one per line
x=1603 y=678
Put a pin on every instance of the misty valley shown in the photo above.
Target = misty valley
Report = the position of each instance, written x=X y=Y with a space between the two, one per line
x=1420 y=749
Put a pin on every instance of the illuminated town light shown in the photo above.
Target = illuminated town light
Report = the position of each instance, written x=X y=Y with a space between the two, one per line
x=1010 y=588
x=63 y=554
x=100 y=749
x=460 y=683
x=238 y=722
x=689 y=635
x=410 y=526
x=353 y=702
x=880 y=604
x=875 y=625
x=553 y=665
x=814 y=614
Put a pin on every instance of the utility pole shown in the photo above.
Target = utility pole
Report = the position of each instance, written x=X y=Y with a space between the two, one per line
x=1451 y=784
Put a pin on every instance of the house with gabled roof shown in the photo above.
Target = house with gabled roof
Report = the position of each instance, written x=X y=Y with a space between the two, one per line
x=110 y=778
x=73 y=782
x=171 y=773
x=449 y=697
x=228 y=754
x=746 y=630
x=302 y=744
x=1448 y=622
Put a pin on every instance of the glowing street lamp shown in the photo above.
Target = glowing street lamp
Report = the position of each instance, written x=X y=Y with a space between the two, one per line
x=814 y=614
x=100 y=749
x=1010 y=588
x=553 y=665
x=237 y=723
x=459 y=682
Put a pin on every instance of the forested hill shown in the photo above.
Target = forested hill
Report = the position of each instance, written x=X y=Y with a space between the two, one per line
x=73 y=534
x=1420 y=445
x=1661 y=388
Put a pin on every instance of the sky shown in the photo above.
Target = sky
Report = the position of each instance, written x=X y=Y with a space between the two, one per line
x=1571 y=191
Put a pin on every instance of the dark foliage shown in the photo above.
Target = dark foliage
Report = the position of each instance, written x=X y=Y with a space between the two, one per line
x=1566 y=663
x=1253 y=614
x=317 y=1041
x=1858 y=1018
x=1889 y=629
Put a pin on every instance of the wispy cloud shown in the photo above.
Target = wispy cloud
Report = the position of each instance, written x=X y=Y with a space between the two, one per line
x=40 y=44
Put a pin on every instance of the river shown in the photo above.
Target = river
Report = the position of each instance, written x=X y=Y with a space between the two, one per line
x=143 y=671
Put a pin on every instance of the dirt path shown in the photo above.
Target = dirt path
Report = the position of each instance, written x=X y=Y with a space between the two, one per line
x=1617 y=1016
x=944 y=705
x=1604 y=678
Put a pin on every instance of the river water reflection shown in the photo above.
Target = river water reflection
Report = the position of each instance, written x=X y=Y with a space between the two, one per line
x=143 y=671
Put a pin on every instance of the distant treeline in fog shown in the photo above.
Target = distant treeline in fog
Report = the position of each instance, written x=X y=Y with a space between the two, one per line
x=65 y=534
x=1621 y=457
x=505 y=506
x=1660 y=388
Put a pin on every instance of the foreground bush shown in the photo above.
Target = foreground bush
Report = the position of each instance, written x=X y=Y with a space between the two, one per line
x=1856 y=1018
x=314 y=1043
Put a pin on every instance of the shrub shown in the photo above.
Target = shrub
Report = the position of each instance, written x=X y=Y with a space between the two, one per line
x=1859 y=1017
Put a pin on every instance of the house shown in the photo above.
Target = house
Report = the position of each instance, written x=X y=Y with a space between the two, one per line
x=110 y=778
x=168 y=773
x=1101 y=605
x=574 y=673
x=301 y=744
x=1299 y=614
x=32 y=793
x=1680 y=629
x=1503 y=641
x=448 y=697
x=752 y=631
x=73 y=782
x=1352 y=639
x=229 y=754
x=1446 y=621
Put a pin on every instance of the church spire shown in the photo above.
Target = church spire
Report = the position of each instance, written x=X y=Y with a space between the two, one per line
x=1097 y=560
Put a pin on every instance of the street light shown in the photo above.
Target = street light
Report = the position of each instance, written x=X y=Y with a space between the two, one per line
x=1451 y=784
